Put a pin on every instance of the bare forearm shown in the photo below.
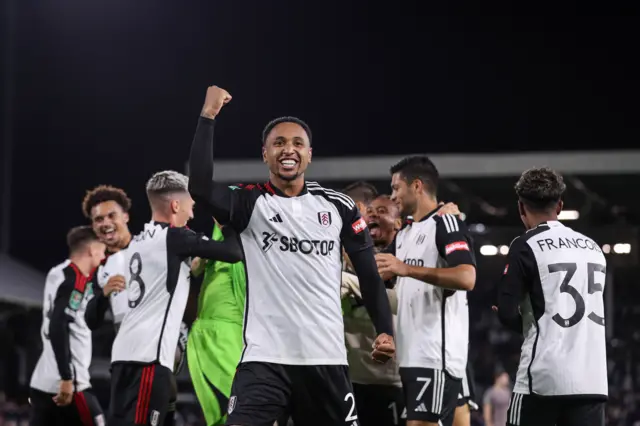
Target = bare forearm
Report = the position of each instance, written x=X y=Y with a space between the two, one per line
x=461 y=277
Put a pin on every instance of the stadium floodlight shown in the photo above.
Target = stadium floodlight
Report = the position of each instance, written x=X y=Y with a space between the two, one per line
x=606 y=249
x=488 y=250
x=569 y=215
x=622 y=248
x=504 y=250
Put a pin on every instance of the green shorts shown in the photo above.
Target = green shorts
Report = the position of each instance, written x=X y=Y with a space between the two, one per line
x=213 y=352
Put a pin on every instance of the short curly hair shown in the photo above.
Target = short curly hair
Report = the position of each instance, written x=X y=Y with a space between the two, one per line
x=104 y=193
x=540 y=188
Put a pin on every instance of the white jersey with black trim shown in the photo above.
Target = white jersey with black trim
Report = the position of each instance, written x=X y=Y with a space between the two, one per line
x=115 y=264
x=552 y=291
x=433 y=323
x=66 y=338
x=158 y=266
x=292 y=247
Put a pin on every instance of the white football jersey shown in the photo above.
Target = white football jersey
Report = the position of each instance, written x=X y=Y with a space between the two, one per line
x=433 y=323
x=552 y=291
x=66 y=338
x=293 y=254
x=158 y=265
x=115 y=264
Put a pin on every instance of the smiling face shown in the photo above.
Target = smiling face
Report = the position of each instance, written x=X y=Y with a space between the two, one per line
x=287 y=151
x=383 y=220
x=109 y=222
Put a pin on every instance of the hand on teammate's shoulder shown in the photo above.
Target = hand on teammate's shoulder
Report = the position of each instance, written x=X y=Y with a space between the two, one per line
x=215 y=99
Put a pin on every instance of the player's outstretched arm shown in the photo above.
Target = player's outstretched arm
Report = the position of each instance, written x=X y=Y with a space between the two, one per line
x=215 y=196
x=185 y=243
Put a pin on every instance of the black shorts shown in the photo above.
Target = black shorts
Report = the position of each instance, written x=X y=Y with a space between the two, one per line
x=140 y=394
x=536 y=410
x=311 y=395
x=379 y=405
x=430 y=395
x=84 y=410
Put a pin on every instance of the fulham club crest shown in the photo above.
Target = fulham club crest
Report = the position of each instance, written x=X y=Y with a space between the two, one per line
x=324 y=219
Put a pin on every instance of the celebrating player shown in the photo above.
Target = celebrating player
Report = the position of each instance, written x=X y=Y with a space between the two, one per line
x=60 y=386
x=291 y=231
x=107 y=208
x=551 y=292
x=157 y=277
x=436 y=270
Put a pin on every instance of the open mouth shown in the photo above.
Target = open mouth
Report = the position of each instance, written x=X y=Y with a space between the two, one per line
x=108 y=233
x=288 y=163
x=374 y=229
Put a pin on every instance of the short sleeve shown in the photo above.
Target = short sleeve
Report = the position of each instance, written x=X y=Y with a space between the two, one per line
x=355 y=235
x=454 y=243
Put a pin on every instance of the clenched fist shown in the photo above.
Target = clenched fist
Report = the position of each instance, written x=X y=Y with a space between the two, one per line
x=384 y=348
x=214 y=101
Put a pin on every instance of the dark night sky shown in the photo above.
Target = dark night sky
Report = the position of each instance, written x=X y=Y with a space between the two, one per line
x=110 y=93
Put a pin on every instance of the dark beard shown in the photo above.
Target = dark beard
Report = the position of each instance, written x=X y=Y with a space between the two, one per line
x=289 y=178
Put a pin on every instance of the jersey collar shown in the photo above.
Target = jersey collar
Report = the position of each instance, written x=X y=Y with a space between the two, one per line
x=430 y=214
x=275 y=191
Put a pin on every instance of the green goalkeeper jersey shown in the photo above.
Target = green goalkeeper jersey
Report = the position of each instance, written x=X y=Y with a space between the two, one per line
x=224 y=289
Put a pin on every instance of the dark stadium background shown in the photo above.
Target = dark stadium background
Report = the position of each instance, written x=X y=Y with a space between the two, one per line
x=109 y=92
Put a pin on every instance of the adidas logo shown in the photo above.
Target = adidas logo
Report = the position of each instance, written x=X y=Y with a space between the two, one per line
x=276 y=218
x=421 y=408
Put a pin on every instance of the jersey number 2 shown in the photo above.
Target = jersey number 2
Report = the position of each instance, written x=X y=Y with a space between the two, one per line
x=135 y=278
x=566 y=287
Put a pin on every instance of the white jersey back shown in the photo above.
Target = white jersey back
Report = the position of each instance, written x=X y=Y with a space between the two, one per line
x=115 y=264
x=564 y=351
x=157 y=291
x=64 y=298
x=433 y=323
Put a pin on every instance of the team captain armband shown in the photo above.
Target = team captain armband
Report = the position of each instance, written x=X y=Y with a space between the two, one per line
x=455 y=246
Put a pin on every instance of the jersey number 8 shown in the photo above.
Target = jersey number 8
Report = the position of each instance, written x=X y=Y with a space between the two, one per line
x=566 y=287
x=136 y=278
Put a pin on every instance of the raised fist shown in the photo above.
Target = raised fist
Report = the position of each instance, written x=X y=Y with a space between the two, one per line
x=214 y=101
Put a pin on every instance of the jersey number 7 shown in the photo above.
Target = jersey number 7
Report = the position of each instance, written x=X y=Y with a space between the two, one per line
x=566 y=287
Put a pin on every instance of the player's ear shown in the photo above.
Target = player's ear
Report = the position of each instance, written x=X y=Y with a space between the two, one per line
x=126 y=217
x=559 y=207
x=310 y=153
x=397 y=224
x=521 y=209
x=175 y=206
x=264 y=154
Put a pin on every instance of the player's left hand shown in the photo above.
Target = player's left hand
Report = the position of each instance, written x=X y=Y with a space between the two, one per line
x=65 y=393
x=384 y=348
x=449 y=208
x=390 y=266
